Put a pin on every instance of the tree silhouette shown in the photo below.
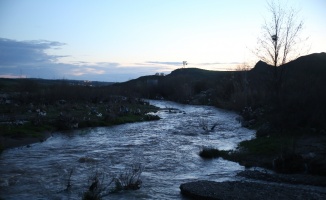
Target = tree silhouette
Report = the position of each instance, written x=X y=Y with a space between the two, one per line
x=280 y=35
x=280 y=41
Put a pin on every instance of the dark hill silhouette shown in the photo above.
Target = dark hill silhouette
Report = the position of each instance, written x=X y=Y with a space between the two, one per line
x=310 y=66
x=180 y=85
x=197 y=73
x=262 y=67
x=303 y=91
x=201 y=80
x=298 y=101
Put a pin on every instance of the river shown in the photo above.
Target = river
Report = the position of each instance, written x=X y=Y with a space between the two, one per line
x=167 y=149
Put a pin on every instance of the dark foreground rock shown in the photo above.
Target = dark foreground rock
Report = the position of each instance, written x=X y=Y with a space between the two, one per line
x=210 y=190
x=303 y=179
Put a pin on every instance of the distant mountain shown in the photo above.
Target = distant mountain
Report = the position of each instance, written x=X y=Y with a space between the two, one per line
x=40 y=81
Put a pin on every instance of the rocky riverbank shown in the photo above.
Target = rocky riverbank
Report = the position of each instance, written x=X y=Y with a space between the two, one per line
x=292 y=183
x=210 y=190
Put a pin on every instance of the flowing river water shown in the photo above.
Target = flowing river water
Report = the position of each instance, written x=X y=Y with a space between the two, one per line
x=167 y=149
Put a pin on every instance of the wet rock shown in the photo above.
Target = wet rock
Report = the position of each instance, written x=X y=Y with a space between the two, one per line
x=211 y=190
x=87 y=160
x=199 y=190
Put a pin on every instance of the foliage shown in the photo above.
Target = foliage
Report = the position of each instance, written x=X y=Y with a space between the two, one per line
x=98 y=187
x=272 y=145
x=100 y=183
x=209 y=152
x=281 y=35
x=130 y=179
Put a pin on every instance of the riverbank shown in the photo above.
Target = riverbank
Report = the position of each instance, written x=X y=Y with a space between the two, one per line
x=294 y=179
x=27 y=124
x=284 y=154
x=298 y=159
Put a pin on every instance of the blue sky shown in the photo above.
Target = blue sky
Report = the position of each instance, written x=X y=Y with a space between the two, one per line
x=118 y=40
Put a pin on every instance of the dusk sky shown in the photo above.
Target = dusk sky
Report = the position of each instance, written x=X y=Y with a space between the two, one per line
x=119 y=40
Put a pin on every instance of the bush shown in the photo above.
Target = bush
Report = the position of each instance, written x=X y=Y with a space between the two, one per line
x=130 y=179
x=150 y=117
x=127 y=180
x=272 y=146
x=209 y=153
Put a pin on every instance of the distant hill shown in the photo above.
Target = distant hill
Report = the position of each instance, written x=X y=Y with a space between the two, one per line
x=309 y=62
x=305 y=66
x=199 y=80
x=12 y=81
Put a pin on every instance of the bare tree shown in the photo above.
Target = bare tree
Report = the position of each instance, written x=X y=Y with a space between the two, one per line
x=281 y=35
x=280 y=41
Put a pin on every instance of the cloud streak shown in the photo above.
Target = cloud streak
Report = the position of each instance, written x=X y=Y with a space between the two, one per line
x=30 y=59
x=165 y=63
x=26 y=52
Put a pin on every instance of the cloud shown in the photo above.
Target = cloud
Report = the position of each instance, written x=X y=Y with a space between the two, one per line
x=87 y=70
x=113 y=72
x=165 y=63
x=30 y=59
x=15 y=53
x=11 y=76
x=219 y=63
x=225 y=66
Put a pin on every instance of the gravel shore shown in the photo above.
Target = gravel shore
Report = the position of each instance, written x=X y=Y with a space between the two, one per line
x=210 y=190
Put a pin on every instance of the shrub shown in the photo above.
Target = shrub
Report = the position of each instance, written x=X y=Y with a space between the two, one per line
x=100 y=187
x=209 y=152
x=130 y=179
x=151 y=117
x=273 y=145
